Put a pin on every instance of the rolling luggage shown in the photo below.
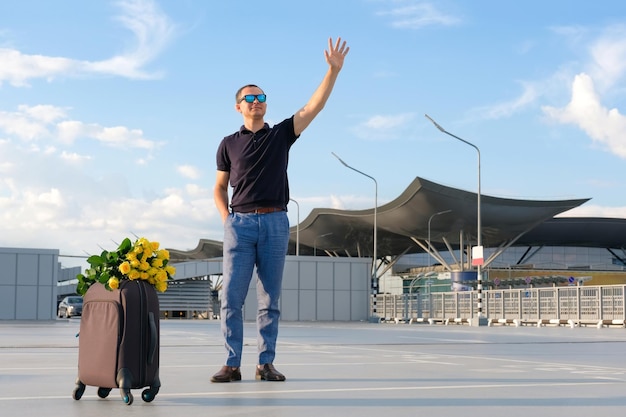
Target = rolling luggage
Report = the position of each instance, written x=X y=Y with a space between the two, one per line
x=118 y=343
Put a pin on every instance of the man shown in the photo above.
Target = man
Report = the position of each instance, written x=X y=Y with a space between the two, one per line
x=256 y=229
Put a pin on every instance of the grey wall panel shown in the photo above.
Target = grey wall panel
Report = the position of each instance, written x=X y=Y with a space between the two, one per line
x=27 y=269
x=325 y=276
x=290 y=276
x=315 y=288
x=319 y=281
x=8 y=268
x=343 y=276
x=45 y=270
x=289 y=310
x=26 y=302
x=308 y=274
x=360 y=306
x=307 y=303
x=357 y=272
x=342 y=306
x=250 y=305
x=325 y=305
x=7 y=302
x=46 y=305
x=28 y=283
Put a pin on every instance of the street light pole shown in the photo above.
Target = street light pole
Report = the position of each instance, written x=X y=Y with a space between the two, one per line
x=479 y=277
x=429 y=219
x=297 y=227
x=315 y=242
x=375 y=257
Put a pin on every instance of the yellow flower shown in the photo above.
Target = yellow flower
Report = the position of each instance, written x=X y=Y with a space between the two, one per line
x=124 y=268
x=114 y=283
x=161 y=275
x=142 y=259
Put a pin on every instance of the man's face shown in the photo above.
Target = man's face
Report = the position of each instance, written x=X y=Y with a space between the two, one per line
x=255 y=110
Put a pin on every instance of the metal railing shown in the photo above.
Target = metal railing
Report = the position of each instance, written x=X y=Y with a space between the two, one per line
x=577 y=305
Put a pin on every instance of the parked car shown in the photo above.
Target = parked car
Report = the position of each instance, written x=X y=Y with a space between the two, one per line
x=70 y=306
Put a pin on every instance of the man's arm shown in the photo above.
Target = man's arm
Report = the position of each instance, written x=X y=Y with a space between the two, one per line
x=220 y=193
x=334 y=57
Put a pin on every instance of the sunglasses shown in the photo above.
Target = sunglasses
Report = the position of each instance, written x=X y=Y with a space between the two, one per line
x=250 y=98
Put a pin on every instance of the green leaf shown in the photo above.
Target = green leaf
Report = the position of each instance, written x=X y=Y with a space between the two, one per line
x=125 y=246
x=82 y=288
x=104 y=277
x=95 y=260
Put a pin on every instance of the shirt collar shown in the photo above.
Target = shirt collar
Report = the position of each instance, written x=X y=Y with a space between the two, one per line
x=244 y=130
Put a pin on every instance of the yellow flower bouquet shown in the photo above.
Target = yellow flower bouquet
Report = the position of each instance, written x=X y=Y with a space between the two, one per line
x=131 y=261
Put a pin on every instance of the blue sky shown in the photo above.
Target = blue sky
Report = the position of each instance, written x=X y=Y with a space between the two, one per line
x=111 y=111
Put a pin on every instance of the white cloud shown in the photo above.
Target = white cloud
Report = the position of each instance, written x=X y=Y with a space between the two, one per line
x=87 y=214
x=609 y=57
x=606 y=127
x=409 y=15
x=151 y=27
x=22 y=125
x=153 y=31
x=74 y=157
x=43 y=122
x=351 y=202
x=596 y=211
x=56 y=197
x=384 y=127
x=18 y=68
x=43 y=113
x=189 y=171
x=505 y=109
x=121 y=137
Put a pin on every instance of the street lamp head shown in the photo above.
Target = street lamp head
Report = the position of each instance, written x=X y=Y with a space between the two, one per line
x=340 y=160
x=435 y=123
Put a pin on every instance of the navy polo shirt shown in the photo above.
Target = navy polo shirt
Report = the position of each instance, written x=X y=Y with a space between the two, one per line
x=257 y=163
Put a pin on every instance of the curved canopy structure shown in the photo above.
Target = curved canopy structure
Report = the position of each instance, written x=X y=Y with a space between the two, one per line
x=206 y=249
x=425 y=209
x=444 y=216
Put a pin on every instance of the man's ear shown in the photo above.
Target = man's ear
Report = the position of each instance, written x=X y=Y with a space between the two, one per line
x=238 y=107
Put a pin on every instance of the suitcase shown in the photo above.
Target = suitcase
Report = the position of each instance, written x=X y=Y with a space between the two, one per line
x=118 y=343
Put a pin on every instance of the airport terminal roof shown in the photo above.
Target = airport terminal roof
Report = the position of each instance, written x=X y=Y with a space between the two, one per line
x=444 y=214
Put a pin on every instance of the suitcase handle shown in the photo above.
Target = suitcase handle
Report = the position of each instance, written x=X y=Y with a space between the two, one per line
x=153 y=338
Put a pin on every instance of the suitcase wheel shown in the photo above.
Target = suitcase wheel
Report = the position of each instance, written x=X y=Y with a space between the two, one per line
x=149 y=394
x=79 y=390
x=103 y=392
x=127 y=396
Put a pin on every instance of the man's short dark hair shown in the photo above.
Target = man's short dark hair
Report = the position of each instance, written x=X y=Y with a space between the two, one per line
x=237 y=98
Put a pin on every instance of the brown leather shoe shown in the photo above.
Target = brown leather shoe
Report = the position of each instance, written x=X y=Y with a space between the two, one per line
x=267 y=372
x=227 y=374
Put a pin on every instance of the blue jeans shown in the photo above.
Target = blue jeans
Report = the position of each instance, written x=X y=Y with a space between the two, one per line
x=253 y=240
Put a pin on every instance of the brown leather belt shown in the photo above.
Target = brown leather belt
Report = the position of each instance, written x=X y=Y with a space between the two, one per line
x=263 y=210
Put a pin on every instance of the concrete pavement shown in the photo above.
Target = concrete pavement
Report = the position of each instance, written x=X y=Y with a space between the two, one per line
x=336 y=369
